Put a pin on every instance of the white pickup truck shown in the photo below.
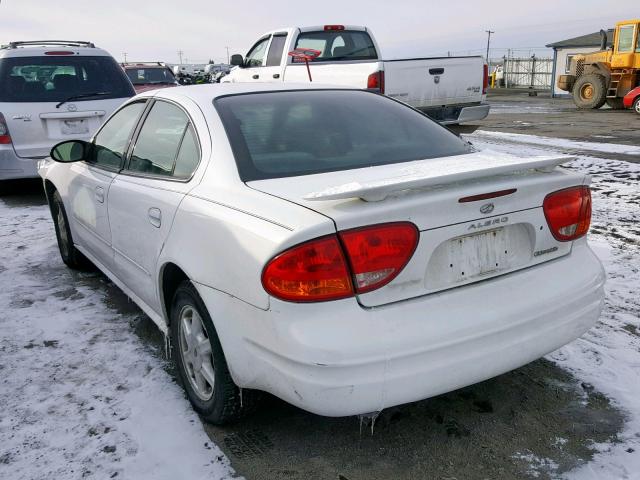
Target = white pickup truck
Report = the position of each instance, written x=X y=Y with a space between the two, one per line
x=451 y=90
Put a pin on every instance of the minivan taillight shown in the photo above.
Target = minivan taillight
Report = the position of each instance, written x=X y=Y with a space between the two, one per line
x=5 y=138
x=568 y=212
x=485 y=79
x=339 y=266
x=375 y=81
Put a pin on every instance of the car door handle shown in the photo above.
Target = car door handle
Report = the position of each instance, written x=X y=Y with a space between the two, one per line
x=436 y=71
x=276 y=75
x=99 y=193
x=256 y=76
x=155 y=217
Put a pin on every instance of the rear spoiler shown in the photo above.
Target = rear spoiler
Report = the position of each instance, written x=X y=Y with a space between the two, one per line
x=443 y=171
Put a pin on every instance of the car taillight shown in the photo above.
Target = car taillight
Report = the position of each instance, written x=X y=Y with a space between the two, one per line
x=329 y=28
x=311 y=272
x=485 y=80
x=377 y=254
x=60 y=52
x=340 y=266
x=5 y=138
x=375 y=81
x=568 y=212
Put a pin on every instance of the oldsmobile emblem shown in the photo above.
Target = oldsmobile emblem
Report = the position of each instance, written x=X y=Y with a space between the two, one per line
x=487 y=208
x=72 y=107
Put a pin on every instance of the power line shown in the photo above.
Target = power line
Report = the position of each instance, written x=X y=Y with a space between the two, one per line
x=180 y=53
x=489 y=32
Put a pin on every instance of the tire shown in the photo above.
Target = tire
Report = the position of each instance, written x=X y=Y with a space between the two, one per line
x=615 y=103
x=590 y=91
x=636 y=105
x=71 y=256
x=203 y=370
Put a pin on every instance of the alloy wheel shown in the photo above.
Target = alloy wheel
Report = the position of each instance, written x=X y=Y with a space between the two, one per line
x=196 y=352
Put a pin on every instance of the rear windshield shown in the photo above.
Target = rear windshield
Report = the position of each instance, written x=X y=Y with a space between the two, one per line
x=56 y=78
x=339 y=45
x=284 y=134
x=150 y=75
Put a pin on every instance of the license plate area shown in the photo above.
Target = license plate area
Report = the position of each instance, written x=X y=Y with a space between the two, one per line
x=74 y=127
x=469 y=258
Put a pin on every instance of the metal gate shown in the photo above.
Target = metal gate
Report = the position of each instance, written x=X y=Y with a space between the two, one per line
x=532 y=72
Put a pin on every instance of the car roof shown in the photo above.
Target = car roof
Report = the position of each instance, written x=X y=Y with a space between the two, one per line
x=205 y=94
x=26 y=50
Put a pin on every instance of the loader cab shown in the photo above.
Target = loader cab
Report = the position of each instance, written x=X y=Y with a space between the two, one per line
x=626 y=45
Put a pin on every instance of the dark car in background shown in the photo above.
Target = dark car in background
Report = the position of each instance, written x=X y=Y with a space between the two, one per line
x=149 y=75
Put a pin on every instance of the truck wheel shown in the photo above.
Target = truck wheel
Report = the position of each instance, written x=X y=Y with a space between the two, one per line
x=201 y=364
x=590 y=91
x=615 y=103
x=71 y=256
x=636 y=105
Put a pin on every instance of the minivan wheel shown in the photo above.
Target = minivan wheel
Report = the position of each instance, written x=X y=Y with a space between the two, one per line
x=71 y=256
x=201 y=365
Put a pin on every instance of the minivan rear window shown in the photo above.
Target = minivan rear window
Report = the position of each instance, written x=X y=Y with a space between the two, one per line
x=338 y=45
x=56 y=78
x=302 y=132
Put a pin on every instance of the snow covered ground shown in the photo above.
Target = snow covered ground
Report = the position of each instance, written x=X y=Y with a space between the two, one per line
x=80 y=395
x=608 y=356
x=83 y=397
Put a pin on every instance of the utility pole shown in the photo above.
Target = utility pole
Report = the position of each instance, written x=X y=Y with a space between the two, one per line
x=489 y=32
x=227 y=55
x=125 y=56
x=180 y=53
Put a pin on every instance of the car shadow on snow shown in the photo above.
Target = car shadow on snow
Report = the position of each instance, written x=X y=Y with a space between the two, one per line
x=537 y=421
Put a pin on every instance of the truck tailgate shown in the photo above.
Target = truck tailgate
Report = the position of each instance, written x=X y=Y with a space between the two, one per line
x=432 y=82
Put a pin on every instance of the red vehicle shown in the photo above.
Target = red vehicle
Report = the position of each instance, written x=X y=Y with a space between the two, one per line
x=149 y=76
x=632 y=100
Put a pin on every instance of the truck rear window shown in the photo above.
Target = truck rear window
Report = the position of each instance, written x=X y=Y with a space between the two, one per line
x=150 y=75
x=289 y=133
x=339 y=45
x=56 y=78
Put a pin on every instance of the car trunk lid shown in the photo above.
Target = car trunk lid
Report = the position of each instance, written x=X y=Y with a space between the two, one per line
x=480 y=215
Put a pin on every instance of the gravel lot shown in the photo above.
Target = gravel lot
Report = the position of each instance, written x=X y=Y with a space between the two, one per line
x=86 y=391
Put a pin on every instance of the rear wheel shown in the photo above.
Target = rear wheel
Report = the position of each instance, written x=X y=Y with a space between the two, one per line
x=636 y=105
x=201 y=364
x=615 y=103
x=71 y=256
x=590 y=91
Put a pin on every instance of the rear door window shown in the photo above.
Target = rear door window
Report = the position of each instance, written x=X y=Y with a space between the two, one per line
x=339 y=45
x=56 y=78
x=283 y=134
x=275 y=50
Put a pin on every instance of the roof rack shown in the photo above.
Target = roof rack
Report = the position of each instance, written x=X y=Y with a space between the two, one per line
x=136 y=64
x=66 y=43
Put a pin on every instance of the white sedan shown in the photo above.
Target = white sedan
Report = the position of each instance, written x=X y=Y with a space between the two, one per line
x=331 y=246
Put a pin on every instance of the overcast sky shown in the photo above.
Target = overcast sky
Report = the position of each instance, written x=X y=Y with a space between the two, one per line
x=156 y=30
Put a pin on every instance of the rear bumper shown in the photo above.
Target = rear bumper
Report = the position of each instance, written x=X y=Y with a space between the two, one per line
x=456 y=114
x=339 y=359
x=13 y=167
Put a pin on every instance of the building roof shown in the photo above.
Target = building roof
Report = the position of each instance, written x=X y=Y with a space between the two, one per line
x=591 y=40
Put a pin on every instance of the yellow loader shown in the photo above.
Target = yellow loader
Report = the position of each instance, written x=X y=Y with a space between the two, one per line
x=606 y=76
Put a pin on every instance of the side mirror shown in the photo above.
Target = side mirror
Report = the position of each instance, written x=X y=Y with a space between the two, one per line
x=70 y=151
x=237 y=60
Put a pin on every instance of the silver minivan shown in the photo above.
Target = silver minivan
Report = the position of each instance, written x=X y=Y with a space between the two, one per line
x=51 y=91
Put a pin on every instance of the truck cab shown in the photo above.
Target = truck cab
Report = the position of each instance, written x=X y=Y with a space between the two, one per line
x=451 y=90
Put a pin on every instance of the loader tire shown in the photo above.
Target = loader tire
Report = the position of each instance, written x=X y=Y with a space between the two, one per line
x=590 y=91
